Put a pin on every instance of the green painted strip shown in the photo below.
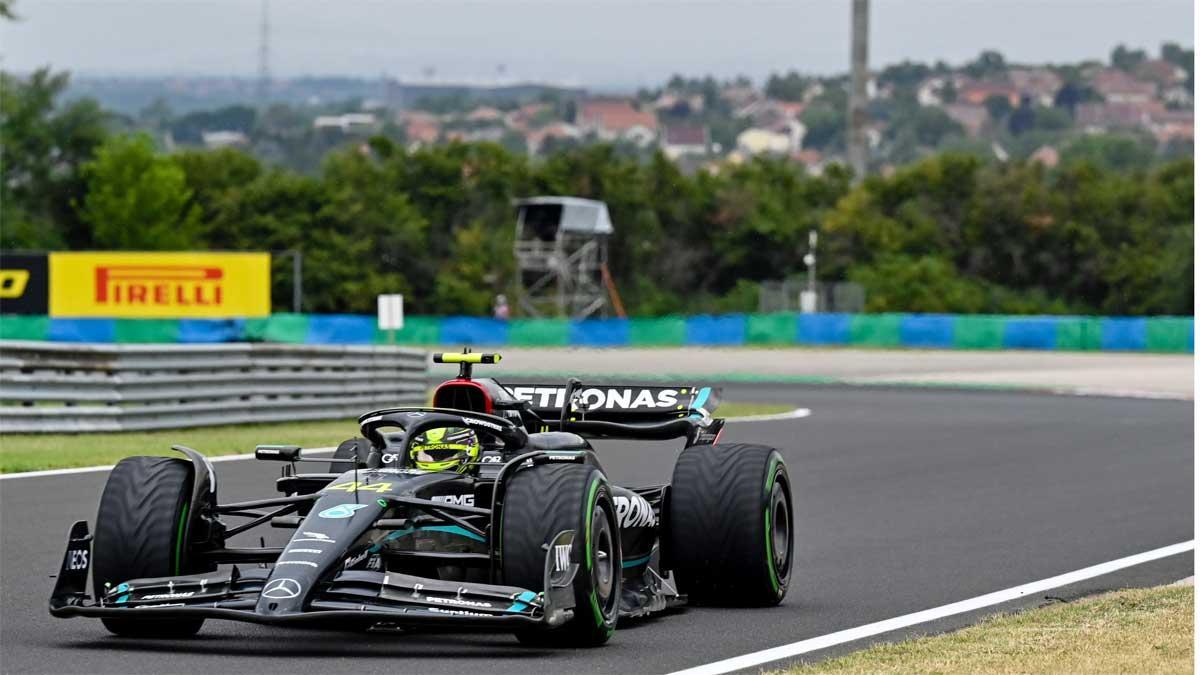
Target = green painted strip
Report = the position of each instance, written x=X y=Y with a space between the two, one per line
x=278 y=328
x=771 y=329
x=875 y=330
x=418 y=330
x=17 y=327
x=1169 y=334
x=538 y=333
x=660 y=331
x=146 y=331
x=978 y=332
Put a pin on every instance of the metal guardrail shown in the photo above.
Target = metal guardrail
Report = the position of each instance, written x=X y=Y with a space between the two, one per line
x=57 y=387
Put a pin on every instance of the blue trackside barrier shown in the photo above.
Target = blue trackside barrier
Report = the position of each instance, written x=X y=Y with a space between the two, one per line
x=467 y=330
x=924 y=331
x=927 y=330
x=204 y=331
x=82 y=330
x=599 y=333
x=340 y=329
x=1125 y=334
x=728 y=329
x=823 y=329
x=1031 y=333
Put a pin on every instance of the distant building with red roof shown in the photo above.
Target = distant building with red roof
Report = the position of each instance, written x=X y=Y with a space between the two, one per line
x=679 y=140
x=616 y=119
x=1118 y=86
x=976 y=92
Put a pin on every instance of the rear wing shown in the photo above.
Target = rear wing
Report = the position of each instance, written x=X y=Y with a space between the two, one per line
x=631 y=404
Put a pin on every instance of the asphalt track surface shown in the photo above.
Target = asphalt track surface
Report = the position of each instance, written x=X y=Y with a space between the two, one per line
x=906 y=499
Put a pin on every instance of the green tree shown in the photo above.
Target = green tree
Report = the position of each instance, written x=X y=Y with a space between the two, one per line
x=989 y=63
x=928 y=125
x=998 y=106
x=790 y=86
x=137 y=200
x=826 y=128
x=1126 y=59
x=1022 y=119
x=1171 y=52
x=907 y=74
x=1072 y=93
x=1119 y=152
x=44 y=145
x=216 y=175
x=924 y=284
x=1051 y=119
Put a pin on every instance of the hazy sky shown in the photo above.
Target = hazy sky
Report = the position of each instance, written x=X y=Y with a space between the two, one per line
x=592 y=42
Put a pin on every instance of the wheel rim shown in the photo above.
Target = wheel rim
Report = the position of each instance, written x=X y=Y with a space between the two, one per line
x=603 y=557
x=781 y=534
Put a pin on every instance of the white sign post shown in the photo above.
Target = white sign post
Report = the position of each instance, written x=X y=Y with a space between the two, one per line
x=391 y=314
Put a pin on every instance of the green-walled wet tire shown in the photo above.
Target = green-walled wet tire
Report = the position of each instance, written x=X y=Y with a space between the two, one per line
x=542 y=501
x=729 y=525
x=140 y=532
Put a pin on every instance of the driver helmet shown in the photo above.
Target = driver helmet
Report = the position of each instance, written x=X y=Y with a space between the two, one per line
x=444 y=449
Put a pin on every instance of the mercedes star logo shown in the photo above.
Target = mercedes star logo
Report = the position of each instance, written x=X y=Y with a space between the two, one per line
x=281 y=589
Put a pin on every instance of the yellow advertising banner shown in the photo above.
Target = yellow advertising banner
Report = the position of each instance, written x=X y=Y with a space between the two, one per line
x=154 y=285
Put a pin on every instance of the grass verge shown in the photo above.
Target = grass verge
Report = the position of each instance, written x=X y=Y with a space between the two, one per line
x=35 y=452
x=1130 y=631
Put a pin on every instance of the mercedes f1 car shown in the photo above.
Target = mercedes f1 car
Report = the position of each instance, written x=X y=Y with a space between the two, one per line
x=489 y=510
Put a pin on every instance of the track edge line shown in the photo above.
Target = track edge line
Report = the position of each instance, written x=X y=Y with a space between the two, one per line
x=907 y=620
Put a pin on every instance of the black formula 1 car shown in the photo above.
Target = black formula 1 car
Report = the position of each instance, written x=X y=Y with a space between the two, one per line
x=524 y=534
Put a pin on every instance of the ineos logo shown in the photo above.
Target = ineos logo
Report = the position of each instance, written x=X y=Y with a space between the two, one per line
x=282 y=589
x=562 y=557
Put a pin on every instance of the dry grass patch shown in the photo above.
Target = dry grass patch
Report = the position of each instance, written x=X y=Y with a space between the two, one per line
x=1129 y=631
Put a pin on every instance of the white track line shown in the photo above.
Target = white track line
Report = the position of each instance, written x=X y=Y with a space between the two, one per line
x=879 y=627
x=790 y=415
x=90 y=469
x=794 y=414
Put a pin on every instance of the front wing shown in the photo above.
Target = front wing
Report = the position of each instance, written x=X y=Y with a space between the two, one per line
x=362 y=597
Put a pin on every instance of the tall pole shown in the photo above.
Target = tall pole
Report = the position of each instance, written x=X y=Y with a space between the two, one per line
x=856 y=142
x=264 y=54
x=297 y=281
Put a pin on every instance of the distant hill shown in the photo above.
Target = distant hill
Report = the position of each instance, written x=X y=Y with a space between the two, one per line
x=129 y=95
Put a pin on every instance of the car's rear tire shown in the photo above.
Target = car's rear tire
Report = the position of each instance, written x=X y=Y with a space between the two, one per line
x=348 y=449
x=729 y=525
x=140 y=530
x=539 y=503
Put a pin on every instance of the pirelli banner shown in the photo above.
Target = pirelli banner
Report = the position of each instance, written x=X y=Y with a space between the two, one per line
x=154 y=285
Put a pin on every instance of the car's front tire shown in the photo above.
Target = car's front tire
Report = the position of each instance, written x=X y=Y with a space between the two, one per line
x=140 y=532
x=540 y=502
x=729 y=525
